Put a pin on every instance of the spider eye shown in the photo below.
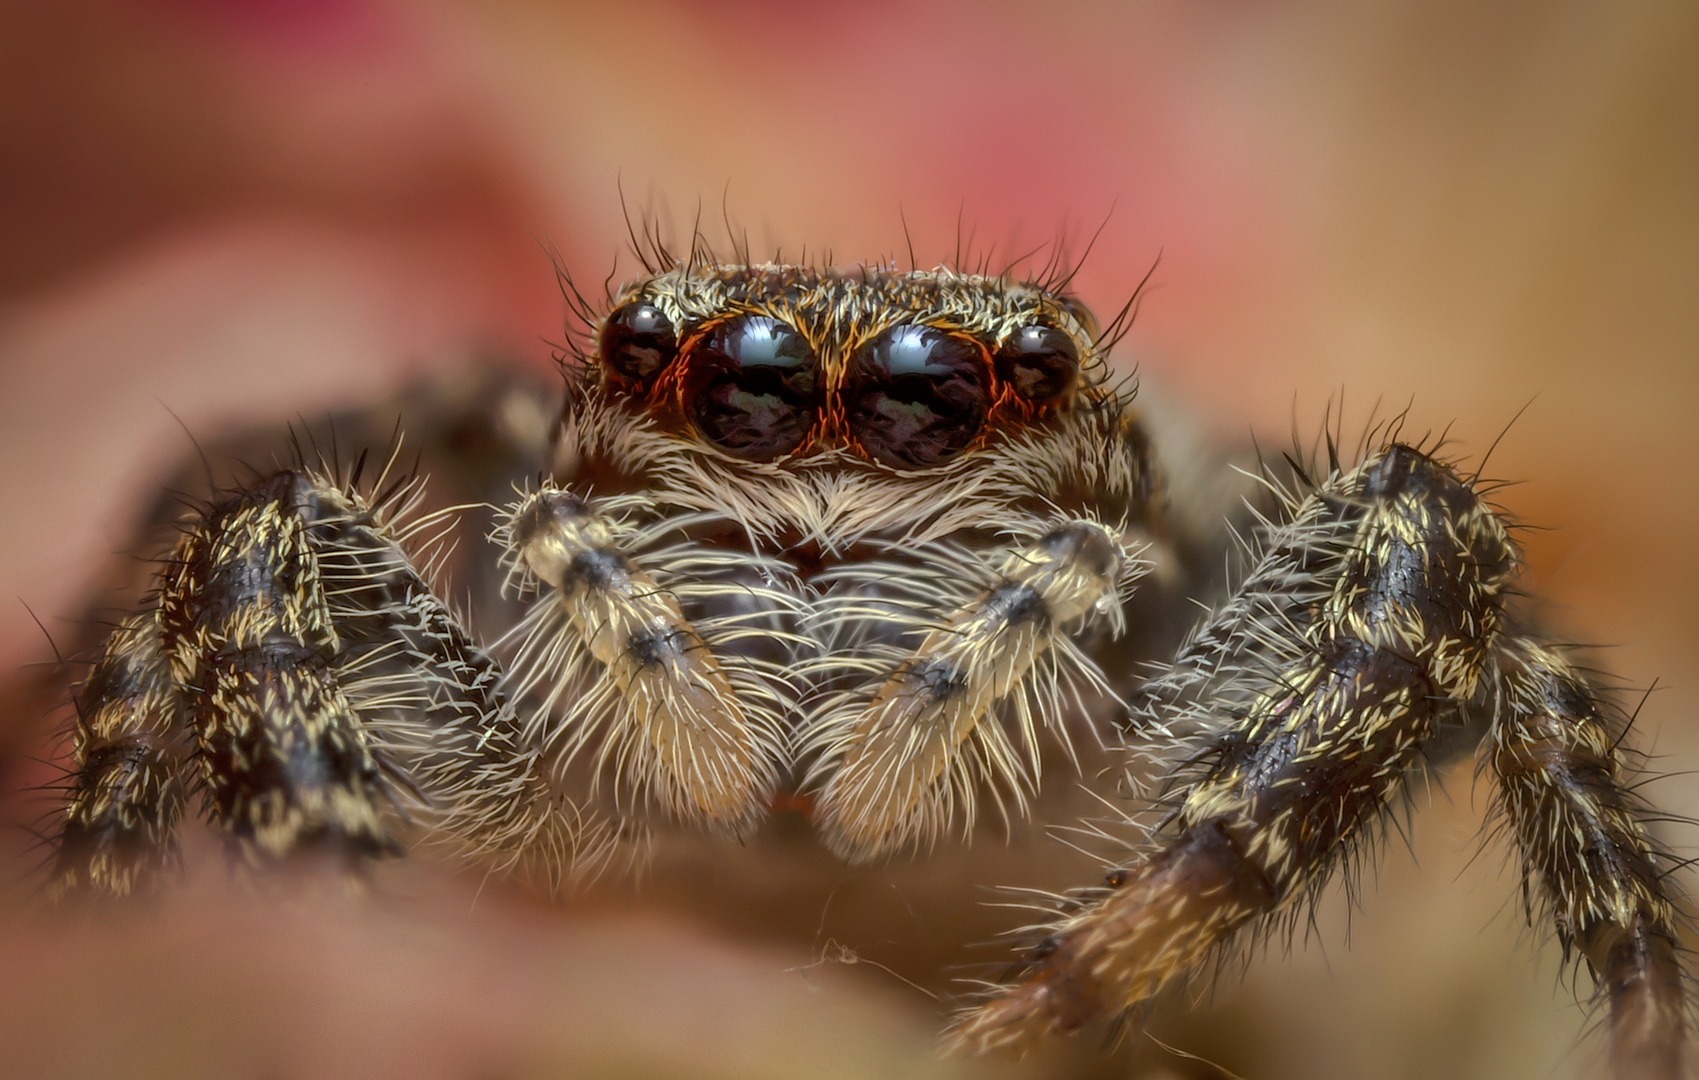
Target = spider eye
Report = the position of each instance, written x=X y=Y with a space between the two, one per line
x=1041 y=363
x=917 y=395
x=638 y=340
x=751 y=387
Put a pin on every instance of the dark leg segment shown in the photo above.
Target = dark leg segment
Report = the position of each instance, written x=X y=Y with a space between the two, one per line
x=1403 y=567
x=126 y=796
x=478 y=782
x=248 y=630
x=299 y=654
x=1588 y=860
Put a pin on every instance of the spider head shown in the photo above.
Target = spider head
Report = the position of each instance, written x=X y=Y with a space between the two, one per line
x=810 y=411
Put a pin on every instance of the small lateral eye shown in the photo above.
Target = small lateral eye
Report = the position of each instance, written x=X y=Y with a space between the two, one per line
x=917 y=395
x=1041 y=363
x=638 y=340
x=750 y=387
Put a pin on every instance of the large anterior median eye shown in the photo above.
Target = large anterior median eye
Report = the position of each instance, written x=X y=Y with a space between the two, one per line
x=917 y=395
x=751 y=387
x=638 y=340
x=1041 y=363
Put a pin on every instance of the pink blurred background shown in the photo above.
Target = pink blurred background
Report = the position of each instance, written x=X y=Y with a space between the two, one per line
x=237 y=212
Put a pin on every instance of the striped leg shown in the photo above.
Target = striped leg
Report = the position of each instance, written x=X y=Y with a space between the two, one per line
x=126 y=795
x=297 y=653
x=247 y=628
x=1381 y=600
x=434 y=703
x=1588 y=861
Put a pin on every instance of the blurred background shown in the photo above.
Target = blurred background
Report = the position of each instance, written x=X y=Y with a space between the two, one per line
x=237 y=211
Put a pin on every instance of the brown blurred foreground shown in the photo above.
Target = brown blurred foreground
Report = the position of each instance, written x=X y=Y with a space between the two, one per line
x=218 y=983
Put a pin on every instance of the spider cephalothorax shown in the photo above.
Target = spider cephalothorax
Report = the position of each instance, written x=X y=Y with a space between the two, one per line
x=918 y=481
x=883 y=545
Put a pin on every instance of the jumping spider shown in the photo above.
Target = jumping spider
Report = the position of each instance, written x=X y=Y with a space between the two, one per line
x=880 y=547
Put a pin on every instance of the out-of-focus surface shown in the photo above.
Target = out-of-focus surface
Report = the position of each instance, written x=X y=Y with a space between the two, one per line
x=237 y=212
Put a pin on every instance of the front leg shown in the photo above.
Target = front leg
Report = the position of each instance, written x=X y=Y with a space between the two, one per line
x=1371 y=616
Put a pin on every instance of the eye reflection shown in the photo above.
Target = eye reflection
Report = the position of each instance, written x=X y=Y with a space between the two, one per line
x=638 y=340
x=1041 y=363
x=751 y=387
x=917 y=395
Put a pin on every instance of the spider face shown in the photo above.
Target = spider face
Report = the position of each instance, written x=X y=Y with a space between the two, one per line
x=888 y=546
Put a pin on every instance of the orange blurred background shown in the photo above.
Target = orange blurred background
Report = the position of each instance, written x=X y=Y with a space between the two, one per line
x=236 y=212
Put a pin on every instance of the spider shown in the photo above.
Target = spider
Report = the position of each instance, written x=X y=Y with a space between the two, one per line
x=884 y=549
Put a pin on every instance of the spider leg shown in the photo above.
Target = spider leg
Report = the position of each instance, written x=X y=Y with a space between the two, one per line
x=247 y=629
x=433 y=701
x=896 y=759
x=1371 y=615
x=1586 y=854
x=126 y=795
x=298 y=655
x=615 y=659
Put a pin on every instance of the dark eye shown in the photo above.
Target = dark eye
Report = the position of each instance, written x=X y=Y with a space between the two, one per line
x=638 y=340
x=751 y=387
x=917 y=395
x=1040 y=362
